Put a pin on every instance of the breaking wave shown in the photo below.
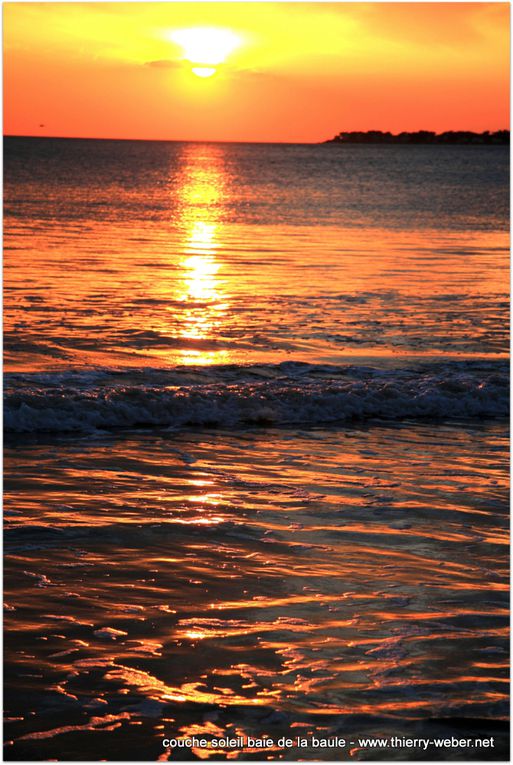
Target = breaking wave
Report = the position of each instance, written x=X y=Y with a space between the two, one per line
x=231 y=396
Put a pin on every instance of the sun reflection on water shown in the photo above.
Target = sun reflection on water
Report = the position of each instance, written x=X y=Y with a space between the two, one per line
x=202 y=191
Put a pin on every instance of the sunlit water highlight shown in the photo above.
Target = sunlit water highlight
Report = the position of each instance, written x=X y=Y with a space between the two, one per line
x=331 y=558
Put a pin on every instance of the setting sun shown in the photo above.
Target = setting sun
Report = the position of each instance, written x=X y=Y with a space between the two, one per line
x=203 y=71
x=206 y=47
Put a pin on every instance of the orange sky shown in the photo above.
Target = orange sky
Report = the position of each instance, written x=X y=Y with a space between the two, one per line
x=300 y=72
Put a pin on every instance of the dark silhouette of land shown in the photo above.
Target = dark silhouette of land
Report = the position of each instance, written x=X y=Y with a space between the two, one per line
x=499 y=137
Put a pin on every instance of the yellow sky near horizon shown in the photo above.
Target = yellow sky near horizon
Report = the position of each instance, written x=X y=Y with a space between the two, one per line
x=300 y=71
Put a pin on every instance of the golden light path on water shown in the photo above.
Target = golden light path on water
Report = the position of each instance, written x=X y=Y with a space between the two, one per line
x=201 y=195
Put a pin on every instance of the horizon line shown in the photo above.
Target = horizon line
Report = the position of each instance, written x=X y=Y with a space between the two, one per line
x=209 y=140
x=155 y=140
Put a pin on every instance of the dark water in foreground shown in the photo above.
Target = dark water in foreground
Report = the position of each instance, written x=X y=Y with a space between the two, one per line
x=256 y=448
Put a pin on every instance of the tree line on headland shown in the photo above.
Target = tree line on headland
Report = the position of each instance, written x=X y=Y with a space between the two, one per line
x=499 y=137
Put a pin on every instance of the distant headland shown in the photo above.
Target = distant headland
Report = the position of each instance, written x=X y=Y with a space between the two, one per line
x=499 y=137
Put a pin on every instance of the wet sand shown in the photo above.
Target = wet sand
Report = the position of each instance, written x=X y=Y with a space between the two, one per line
x=270 y=582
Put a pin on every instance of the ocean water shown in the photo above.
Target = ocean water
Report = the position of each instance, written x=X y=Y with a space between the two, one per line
x=256 y=448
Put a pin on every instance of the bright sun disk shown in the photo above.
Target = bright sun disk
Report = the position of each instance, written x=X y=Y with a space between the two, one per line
x=205 y=47
x=203 y=71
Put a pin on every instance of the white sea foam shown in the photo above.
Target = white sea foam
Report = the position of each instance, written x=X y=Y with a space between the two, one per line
x=230 y=396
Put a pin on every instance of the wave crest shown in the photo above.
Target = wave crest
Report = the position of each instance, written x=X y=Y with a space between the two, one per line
x=231 y=397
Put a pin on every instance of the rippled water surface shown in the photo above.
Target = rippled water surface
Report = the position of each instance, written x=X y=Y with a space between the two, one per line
x=256 y=447
x=125 y=253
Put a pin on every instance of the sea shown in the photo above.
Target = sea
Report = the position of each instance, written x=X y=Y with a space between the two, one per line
x=256 y=451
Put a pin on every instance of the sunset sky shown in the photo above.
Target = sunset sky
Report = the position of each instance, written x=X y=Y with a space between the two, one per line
x=264 y=71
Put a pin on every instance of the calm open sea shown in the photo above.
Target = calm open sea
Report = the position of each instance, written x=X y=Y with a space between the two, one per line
x=256 y=447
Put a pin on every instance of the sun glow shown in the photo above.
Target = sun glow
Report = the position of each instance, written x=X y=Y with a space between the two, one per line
x=205 y=47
